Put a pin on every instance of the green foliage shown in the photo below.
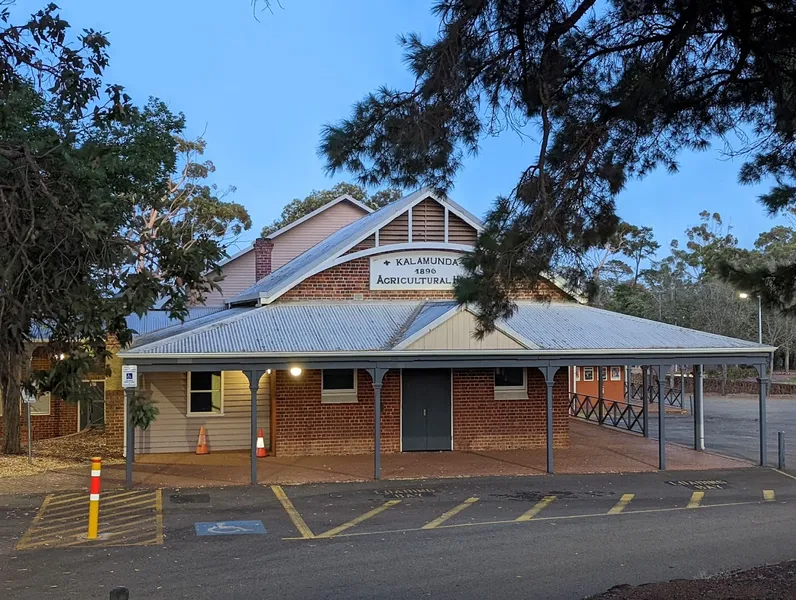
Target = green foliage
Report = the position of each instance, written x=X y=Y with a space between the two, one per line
x=607 y=91
x=298 y=207
x=103 y=210
x=142 y=411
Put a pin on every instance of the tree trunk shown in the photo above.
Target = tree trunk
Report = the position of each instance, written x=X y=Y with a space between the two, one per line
x=787 y=358
x=10 y=381
x=723 y=380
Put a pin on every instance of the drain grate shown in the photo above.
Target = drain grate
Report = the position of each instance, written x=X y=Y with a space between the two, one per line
x=189 y=498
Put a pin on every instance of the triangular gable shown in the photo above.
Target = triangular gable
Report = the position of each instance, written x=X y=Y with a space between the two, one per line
x=455 y=330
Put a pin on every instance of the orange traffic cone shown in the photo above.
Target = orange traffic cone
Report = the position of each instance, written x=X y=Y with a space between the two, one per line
x=261 y=453
x=201 y=445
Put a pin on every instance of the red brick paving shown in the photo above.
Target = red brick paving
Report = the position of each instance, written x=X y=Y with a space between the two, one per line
x=592 y=449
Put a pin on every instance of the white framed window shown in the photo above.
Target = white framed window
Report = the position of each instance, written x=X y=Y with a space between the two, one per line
x=339 y=386
x=205 y=393
x=42 y=405
x=511 y=383
x=616 y=373
x=577 y=373
x=588 y=373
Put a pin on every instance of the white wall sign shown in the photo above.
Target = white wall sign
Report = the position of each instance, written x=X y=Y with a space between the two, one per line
x=415 y=270
x=129 y=376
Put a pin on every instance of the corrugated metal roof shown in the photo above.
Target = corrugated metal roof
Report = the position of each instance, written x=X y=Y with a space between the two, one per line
x=376 y=326
x=428 y=313
x=178 y=328
x=332 y=246
x=159 y=319
x=292 y=328
x=560 y=326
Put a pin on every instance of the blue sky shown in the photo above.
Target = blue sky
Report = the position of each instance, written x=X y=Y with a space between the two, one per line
x=261 y=88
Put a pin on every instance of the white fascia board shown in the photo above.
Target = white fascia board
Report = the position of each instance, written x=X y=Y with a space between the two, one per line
x=317 y=211
x=607 y=352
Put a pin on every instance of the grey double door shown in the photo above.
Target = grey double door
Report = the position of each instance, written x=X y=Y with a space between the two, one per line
x=426 y=409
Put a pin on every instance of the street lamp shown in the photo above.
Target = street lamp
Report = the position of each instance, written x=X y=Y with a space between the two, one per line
x=744 y=296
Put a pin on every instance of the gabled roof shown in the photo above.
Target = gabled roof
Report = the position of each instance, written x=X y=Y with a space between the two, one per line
x=325 y=252
x=344 y=198
x=389 y=327
x=319 y=210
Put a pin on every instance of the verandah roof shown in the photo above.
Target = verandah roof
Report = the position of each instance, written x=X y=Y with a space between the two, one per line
x=385 y=327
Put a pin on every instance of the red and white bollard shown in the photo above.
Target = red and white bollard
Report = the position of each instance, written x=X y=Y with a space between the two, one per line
x=93 y=498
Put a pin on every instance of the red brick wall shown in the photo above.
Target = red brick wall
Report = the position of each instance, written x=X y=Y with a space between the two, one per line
x=262 y=257
x=306 y=426
x=344 y=281
x=480 y=422
x=62 y=419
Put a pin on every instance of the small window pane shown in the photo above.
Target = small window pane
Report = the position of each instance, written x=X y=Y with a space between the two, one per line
x=203 y=402
x=509 y=377
x=588 y=373
x=338 y=379
x=205 y=380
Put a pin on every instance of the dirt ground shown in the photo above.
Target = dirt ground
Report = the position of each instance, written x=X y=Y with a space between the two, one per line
x=769 y=582
x=61 y=453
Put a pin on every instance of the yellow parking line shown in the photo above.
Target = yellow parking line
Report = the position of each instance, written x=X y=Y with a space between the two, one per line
x=696 y=500
x=291 y=511
x=447 y=515
x=359 y=519
x=66 y=498
x=27 y=535
x=769 y=495
x=159 y=510
x=537 y=508
x=622 y=504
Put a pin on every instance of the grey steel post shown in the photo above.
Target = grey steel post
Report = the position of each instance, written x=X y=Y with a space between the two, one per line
x=377 y=376
x=254 y=386
x=661 y=418
x=549 y=377
x=628 y=396
x=781 y=450
x=30 y=435
x=762 y=383
x=600 y=405
x=760 y=320
x=699 y=408
x=682 y=386
x=128 y=472
x=645 y=403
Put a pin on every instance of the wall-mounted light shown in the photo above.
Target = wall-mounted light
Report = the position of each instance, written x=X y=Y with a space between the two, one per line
x=268 y=371
x=295 y=371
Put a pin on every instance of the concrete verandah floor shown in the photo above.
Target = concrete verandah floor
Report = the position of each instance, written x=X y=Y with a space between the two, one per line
x=593 y=449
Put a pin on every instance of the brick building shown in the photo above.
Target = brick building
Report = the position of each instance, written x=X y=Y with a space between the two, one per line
x=356 y=346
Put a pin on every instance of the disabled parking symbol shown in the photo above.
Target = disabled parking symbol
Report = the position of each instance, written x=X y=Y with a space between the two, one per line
x=230 y=528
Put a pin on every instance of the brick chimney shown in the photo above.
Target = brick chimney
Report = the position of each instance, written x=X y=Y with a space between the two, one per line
x=262 y=257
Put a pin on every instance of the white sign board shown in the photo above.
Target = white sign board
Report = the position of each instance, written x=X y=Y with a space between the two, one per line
x=415 y=270
x=129 y=376
x=28 y=398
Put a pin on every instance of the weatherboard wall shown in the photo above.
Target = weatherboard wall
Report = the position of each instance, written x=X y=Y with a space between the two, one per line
x=175 y=431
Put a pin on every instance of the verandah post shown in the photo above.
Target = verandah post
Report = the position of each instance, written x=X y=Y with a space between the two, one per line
x=645 y=404
x=254 y=385
x=661 y=417
x=377 y=376
x=549 y=378
x=699 y=408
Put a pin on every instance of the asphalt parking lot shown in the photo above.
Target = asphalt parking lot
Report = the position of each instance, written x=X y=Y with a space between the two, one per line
x=731 y=427
x=540 y=537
